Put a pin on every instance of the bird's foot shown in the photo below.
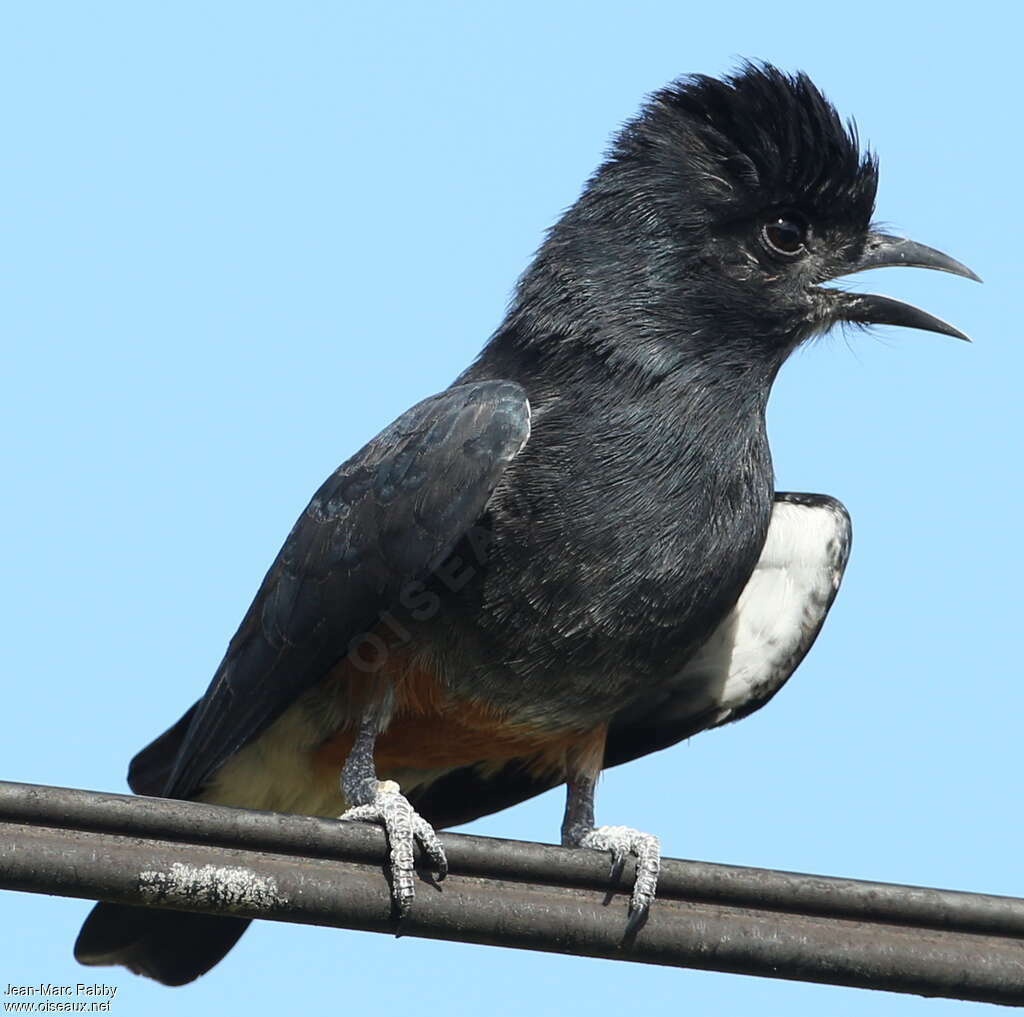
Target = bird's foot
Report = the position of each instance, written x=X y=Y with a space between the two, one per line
x=622 y=841
x=403 y=826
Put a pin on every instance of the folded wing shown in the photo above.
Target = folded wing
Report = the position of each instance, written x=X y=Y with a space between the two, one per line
x=385 y=519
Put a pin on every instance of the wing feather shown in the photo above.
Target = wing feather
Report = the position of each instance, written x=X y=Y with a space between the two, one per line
x=386 y=518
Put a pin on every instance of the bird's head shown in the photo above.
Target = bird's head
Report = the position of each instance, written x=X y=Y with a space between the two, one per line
x=721 y=214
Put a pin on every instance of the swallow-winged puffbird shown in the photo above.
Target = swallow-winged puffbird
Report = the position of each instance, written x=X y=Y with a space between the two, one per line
x=574 y=555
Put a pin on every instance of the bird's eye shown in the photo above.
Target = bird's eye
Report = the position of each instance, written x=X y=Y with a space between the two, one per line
x=785 y=235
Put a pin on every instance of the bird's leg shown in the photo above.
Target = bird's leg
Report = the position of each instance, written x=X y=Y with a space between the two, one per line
x=381 y=801
x=578 y=830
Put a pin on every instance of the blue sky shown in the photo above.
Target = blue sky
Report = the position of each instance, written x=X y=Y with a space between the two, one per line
x=241 y=238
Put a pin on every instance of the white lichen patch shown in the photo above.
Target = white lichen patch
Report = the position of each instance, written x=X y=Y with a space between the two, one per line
x=224 y=887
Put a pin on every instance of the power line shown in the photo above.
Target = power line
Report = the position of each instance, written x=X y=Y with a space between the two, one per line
x=195 y=857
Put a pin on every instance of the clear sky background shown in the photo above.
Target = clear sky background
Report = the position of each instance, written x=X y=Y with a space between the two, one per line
x=241 y=238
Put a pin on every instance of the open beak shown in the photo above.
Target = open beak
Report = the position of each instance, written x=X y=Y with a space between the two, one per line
x=883 y=251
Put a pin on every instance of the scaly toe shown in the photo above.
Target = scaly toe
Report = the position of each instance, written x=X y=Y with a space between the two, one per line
x=622 y=841
x=431 y=846
x=403 y=826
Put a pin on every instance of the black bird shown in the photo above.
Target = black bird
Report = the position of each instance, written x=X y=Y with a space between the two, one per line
x=574 y=555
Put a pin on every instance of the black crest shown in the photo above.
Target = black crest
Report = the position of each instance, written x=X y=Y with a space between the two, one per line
x=755 y=136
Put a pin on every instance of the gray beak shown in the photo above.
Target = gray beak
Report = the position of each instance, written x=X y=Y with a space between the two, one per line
x=883 y=251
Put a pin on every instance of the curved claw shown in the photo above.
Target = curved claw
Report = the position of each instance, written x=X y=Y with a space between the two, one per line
x=403 y=826
x=622 y=841
x=431 y=846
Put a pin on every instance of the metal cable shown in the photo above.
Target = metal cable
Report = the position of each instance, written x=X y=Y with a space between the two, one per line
x=195 y=857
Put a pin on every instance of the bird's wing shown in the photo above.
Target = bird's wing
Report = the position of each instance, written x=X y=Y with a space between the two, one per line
x=385 y=519
x=747 y=659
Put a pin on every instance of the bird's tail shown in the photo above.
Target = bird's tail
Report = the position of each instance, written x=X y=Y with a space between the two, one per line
x=172 y=947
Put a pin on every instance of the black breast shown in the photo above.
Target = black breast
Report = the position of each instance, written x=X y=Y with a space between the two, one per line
x=616 y=542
